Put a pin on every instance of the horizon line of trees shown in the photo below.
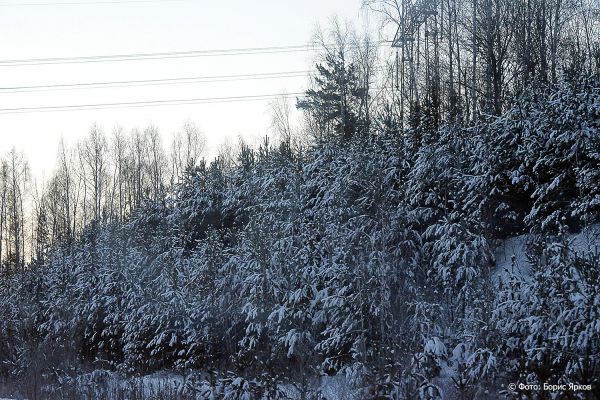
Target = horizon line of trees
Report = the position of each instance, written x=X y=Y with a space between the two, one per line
x=460 y=61
x=98 y=180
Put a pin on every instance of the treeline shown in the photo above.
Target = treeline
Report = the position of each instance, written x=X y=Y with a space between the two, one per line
x=102 y=179
x=370 y=255
x=459 y=59
x=363 y=244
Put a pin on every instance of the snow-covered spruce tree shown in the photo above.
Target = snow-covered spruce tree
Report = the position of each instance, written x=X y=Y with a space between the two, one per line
x=293 y=316
x=545 y=161
x=260 y=271
x=364 y=248
x=447 y=187
x=205 y=297
x=510 y=184
x=198 y=202
x=8 y=324
x=88 y=310
x=22 y=310
x=551 y=317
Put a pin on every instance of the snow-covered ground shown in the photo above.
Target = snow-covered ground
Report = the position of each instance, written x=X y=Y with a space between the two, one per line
x=511 y=254
x=102 y=384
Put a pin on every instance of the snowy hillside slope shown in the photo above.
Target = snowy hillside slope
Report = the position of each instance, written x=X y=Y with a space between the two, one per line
x=511 y=253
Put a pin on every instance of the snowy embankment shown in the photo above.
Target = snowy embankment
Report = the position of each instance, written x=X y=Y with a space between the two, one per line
x=511 y=254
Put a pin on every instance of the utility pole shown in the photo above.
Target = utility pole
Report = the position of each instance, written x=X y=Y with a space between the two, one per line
x=412 y=16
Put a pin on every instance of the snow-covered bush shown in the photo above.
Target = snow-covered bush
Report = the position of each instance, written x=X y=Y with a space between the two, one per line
x=550 y=319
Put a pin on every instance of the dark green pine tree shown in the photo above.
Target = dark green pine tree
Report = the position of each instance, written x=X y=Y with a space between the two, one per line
x=335 y=100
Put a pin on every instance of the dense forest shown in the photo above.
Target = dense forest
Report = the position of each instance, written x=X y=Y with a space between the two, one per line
x=358 y=243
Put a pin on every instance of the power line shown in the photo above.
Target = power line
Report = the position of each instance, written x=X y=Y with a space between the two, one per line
x=77 y=3
x=164 y=55
x=155 y=82
x=148 y=103
x=158 y=56
x=150 y=82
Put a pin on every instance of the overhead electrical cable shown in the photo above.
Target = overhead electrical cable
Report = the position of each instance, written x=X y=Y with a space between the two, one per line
x=157 y=56
x=160 y=81
x=149 y=103
x=162 y=55
x=150 y=82
x=83 y=3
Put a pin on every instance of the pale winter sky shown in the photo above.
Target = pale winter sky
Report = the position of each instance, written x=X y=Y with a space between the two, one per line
x=34 y=29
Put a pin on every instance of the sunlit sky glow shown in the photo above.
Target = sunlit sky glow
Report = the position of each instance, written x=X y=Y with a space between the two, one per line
x=97 y=28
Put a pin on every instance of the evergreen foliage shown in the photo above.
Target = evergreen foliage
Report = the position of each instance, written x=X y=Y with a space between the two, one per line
x=370 y=256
